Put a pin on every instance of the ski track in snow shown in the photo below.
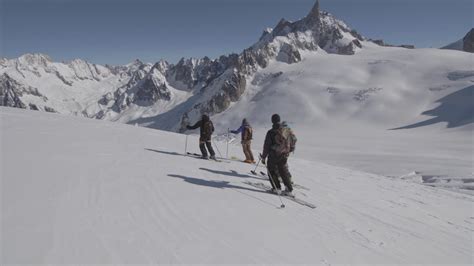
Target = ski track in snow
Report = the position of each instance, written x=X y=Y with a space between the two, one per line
x=85 y=191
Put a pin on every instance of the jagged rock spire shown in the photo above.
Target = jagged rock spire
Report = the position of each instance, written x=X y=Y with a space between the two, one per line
x=314 y=13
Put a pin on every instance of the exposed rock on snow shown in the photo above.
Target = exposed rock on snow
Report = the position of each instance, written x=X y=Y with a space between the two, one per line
x=457 y=75
x=362 y=95
x=382 y=43
x=11 y=92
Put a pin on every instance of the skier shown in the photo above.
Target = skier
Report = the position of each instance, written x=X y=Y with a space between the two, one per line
x=278 y=145
x=246 y=131
x=206 y=130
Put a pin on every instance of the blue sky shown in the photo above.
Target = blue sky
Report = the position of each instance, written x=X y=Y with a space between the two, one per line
x=116 y=32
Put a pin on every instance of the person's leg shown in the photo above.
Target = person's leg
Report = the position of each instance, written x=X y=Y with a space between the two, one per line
x=273 y=172
x=210 y=149
x=203 y=149
x=282 y=166
x=244 y=148
x=249 y=149
x=248 y=152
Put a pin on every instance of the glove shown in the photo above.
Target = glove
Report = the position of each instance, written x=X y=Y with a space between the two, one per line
x=263 y=161
x=188 y=127
x=234 y=131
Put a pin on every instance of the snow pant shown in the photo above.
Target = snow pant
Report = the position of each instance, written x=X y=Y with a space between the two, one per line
x=202 y=147
x=246 y=146
x=278 y=167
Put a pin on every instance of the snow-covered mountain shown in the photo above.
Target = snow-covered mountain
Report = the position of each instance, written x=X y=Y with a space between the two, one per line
x=317 y=63
x=34 y=81
x=190 y=87
x=465 y=44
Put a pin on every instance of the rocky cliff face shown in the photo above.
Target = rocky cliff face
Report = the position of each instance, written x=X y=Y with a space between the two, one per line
x=11 y=92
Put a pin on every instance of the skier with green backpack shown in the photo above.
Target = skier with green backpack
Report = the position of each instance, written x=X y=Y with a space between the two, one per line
x=279 y=143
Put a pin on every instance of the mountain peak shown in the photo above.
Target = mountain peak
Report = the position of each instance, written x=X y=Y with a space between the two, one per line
x=465 y=44
x=137 y=62
x=35 y=59
x=314 y=13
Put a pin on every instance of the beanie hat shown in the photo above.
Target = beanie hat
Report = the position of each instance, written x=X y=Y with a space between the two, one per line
x=275 y=118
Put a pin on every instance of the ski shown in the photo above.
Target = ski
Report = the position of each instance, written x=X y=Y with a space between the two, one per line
x=268 y=188
x=199 y=156
x=294 y=184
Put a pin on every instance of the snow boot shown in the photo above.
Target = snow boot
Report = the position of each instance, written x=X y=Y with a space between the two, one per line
x=288 y=193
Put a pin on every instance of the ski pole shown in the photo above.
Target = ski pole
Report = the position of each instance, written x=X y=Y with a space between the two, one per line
x=255 y=170
x=217 y=148
x=186 y=145
x=273 y=184
x=227 y=150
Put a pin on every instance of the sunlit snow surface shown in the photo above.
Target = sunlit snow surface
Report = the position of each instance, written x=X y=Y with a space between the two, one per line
x=83 y=191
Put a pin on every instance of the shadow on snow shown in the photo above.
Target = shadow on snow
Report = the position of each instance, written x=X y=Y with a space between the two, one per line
x=232 y=173
x=457 y=109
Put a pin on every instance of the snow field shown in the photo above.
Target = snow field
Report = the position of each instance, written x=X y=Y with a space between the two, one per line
x=85 y=191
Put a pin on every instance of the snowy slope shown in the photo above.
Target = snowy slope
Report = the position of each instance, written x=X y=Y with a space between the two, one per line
x=85 y=191
x=379 y=86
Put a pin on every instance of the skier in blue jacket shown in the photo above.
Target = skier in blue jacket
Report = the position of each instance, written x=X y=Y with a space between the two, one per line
x=246 y=131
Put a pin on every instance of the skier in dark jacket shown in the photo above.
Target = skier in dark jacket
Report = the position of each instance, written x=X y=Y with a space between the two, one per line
x=206 y=130
x=246 y=131
x=277 y=147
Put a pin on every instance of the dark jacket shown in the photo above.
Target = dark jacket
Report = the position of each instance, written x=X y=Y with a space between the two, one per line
x=270 y=141
x=206 y=128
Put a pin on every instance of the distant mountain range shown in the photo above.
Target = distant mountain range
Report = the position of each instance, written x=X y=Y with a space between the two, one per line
x=166 y=95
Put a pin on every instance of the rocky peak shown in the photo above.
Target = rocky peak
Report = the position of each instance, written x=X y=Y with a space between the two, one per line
x=317 y=30
x=313 y=15
x=134 y=65
x=465 y=44
x=161 y=66
x=3 y=62
x=136 y=62
x=468 y=41
x=35 y=60
x=78 y=63
x=266 y=32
